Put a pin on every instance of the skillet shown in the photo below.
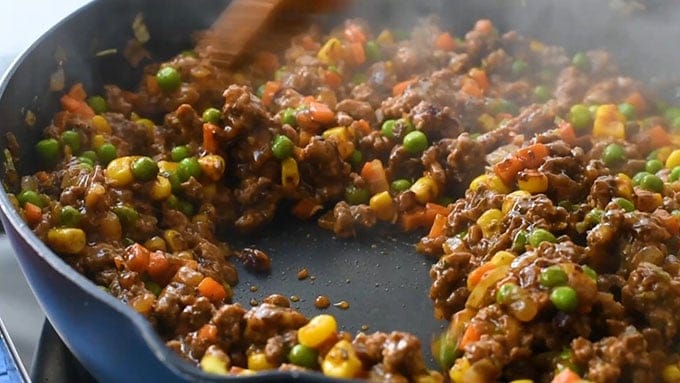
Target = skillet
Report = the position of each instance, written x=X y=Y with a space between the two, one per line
x=381 y=276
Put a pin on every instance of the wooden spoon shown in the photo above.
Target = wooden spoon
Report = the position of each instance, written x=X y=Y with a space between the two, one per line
x=243 y=21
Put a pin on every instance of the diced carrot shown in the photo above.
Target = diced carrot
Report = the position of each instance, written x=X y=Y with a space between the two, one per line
x=658 y=136
x=321 y=113
x=567 y=133
x=484 y=26
x=207 y=333
x=638 y=101
x=362 y=126
x=532 y=156
x=415 y=219
x=152 y=87
x=480 y=77
x=400 y=88
x=357 y=53
x=672 y=223
x=137 y=258
x=471 y=88
x=306 y=208
x=355 y=34
x=76 y=106
x=209 y=142
x=270 y=89
x=77 y=92
x=445 y=42
x=566 y=376
x=373 y=173
x=476 y=275
x=436 y=208
x=332 y=78
x=60 y=118
x=507 y=169
x=212 y=289
x=267 y=62
x=309 y=44
x=438 y=226
x=503 y=116
x=159 y=267
x=472 y=334
x=33 y=213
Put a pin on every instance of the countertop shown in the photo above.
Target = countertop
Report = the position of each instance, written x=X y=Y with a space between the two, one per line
x=21 y=23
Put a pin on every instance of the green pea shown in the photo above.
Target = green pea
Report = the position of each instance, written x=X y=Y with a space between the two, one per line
x=581 y=61
x=653 y=166
x=445 y=200
x=387 y=129
x=519 y=67
x=168 y=79
x=564 y=298
x=542 y=93
x=86 y=165
x=72 y=139
x=587 y=270
x=356 y=158
x=303 y=356
x=188 y=53
x=126 y=214
x=672 y=113
x=154 y=287
x=144 y=169
x=187 y=168
x=31 y=196
x=652 y=182
x=447 y=352
x=178 y=153
x=48 y=150
x=406 y=125
x=175 y=182
x=553 y=276
x=356 y=196
x=637 y=178
x=372 y=50
x=89 y=154
x=359 y=78
x=624 y=204
x=69 y=216
x=172 y=201
x=278 y=75
x=653 y=155
x=675 y=124
x=400 y=185
x=501 y=105
x=107 y=153
x=675 y=174
x=288 y=117
x=580 y=117
x=506 y=293
x=613 y=154
x=212 y=115
x=185 y=207
x=260 y=91
x=87 y=161
x=462 y=234
x=595 y=216
x=98 y=104
x=415 y=142
x=282 y=147
x=628 y=111
x=520 y=241
x=537 y=236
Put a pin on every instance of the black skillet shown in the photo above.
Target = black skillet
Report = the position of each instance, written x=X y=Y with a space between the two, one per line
x=380 y=275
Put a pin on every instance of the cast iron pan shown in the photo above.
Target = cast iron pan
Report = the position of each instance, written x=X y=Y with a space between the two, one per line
x=381 y=276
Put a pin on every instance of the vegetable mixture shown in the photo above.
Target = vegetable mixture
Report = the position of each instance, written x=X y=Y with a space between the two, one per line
x=546 y=183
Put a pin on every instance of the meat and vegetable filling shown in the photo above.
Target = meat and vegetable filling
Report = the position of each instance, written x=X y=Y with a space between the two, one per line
x=546 y=183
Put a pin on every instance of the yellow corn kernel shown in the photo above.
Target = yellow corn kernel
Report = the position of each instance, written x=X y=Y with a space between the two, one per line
x=101 y=125
x=160 y=189
x=146 y=122
x=167 y=166
x=431 y=377
x=212 y=165
x=97 y=141
x=290 y=176
x=66 y=240
x=330 y=52
x=522 y=381
x=479 y=181
x=174 y=240
x=532 y=181
x=341 y=137
x=457 y=371
x=425 y=189
x=382 y=205
x=491 y=181
x=119 y=172
x=624 y=186
x=257 y=361
x=385 y=37
x=487 y=122
x=536 y=45
x=609 y=122
x=341 y=361
x=488 y=222
x=671 y=373
x=95 y=195
x=510 y=200
x=502 y=258
x=134 y=116
x=304 y=138
x=673 y=159
x=110 y=227
x=319 y=328
x=663 y=152
x=155 y=243
x=213 y=364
